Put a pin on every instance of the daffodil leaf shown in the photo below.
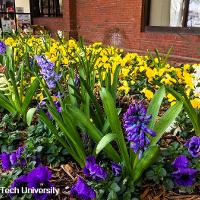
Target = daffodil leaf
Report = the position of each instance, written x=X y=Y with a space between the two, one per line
x=154 y=106
x=105 y=140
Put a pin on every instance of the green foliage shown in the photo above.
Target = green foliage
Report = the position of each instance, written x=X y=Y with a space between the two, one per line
x=105 y=141
x=154 y=106
x=14 y=96
x=42 y=144
x=116 y=188
x=82 y=104
x=135 y=167
x=160 y=172
x=193 y=114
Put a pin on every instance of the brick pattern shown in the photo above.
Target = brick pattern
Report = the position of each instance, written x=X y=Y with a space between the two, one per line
x=56 y=23
x=118 y=22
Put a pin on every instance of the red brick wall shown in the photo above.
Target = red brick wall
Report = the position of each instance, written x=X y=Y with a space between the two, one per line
x=56 y=23
x=119 y=22
x=98 y=20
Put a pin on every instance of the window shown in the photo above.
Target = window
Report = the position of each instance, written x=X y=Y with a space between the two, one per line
x=172 y=15
x=14 y=14
x=46 y=8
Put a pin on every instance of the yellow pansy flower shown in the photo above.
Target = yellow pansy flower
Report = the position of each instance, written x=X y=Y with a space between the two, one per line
x=148 y=93
x=124 y=88
x=195 y=103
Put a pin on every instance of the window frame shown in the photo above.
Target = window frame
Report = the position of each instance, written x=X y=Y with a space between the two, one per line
x=40 y=10
x=166 y=29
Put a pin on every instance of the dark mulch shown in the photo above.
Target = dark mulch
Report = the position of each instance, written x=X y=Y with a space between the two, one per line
x=160 y=193
x=63 y=178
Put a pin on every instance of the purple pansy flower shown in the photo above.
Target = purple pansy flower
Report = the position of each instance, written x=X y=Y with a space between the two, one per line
x=3 y=47
x=185 y=176
x=82 y=190
x=13 y=158
x=180 y=162
x=19 y=151
x=19 y=182
x=37 y=178
x=193 y=146
x=116 y=169
x=135 y=124
x=92 y=169
x=5 y=159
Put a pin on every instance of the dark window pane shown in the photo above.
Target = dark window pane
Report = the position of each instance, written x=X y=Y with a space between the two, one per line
x=46 y=8
x=7 y=6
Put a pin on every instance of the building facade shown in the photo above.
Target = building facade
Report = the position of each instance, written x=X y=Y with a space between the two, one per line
x=135 y=25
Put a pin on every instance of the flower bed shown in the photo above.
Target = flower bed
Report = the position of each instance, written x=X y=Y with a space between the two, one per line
x=111 y=121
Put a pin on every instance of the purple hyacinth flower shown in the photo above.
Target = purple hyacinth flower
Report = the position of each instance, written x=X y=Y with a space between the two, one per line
x=184 y=176
x=3 y=47
x=49 y=116
x=193 y=146
x=58 y=106
x=42 y=105
x=5 y=159
x=136 y=126
x=47 y=71
x=180 y=162
x=116 y=169
x=81 y=190
x=77 y=81
x=92 y=169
